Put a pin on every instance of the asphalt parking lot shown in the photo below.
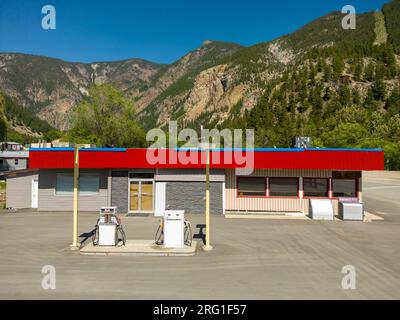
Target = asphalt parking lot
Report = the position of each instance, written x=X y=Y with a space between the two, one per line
x=252 y=259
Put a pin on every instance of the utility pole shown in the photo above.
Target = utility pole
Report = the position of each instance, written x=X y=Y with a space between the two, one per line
x=207 y=146
x=75 y=245
x=208 y=246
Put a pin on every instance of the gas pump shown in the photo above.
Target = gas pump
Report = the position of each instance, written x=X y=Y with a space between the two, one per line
x=108 y=228
x=174 y=231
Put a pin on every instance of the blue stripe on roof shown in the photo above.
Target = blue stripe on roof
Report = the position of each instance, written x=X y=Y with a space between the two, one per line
x=105 y=149
x=216 y=149
x=80 y=150
x=283 y=149
x=51 y=149
x=242 y=149
x=345 y=149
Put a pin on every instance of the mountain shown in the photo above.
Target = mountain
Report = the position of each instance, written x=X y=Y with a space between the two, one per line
x=50 y=87
x=238 y=80
x=218 y=83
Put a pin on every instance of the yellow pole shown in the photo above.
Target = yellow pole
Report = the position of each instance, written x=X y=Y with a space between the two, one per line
x=208 y=246
x=76 y=185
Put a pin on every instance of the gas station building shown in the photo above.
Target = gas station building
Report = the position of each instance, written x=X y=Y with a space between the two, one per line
x=282 y=180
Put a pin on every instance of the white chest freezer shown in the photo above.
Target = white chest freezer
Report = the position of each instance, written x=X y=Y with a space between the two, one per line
x=351 y=211
x=321 y=209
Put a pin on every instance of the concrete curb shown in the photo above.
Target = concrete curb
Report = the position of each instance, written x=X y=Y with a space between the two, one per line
x=139 y=248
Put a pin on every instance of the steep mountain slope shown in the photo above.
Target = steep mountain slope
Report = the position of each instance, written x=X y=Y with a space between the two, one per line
x=52 y=87
x=210 y=96
x=19 y=124
x=392 y=15
x=172 y=87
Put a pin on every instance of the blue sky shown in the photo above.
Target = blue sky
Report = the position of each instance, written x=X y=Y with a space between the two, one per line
x=156 y=30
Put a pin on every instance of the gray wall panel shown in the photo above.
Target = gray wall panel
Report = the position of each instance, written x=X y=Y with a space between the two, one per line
x=190 y=196
x=119 y=190
x=216 y=175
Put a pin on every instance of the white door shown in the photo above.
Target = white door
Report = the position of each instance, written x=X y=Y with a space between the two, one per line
x=160 y=199
x=35 y=193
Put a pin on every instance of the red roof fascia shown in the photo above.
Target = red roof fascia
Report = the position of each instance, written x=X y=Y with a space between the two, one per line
x=136 y=158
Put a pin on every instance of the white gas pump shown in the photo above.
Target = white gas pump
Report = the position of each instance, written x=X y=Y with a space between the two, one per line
x=107 y=234
x=174 y=228
x=107 y=228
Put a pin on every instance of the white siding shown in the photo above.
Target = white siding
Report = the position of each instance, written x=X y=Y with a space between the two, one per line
x=19 y=190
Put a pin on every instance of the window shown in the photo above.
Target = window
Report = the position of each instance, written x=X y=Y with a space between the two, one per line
x=16 y=162
x=344 y=188
x=315 y=187
x=89 y=184
x=251 y=187
x=283 y=187
x=64 y=184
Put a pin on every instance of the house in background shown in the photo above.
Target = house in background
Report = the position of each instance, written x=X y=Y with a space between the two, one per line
x=283 y=181
x=57 y=144
x=13 y=156
x=22 y=188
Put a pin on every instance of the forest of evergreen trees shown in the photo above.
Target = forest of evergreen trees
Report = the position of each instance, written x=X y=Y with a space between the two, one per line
x=342 y=98
x=12 y=114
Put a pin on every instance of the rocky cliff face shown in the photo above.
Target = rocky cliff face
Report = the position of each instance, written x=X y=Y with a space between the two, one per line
x=208 y=92
x=51 y=87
